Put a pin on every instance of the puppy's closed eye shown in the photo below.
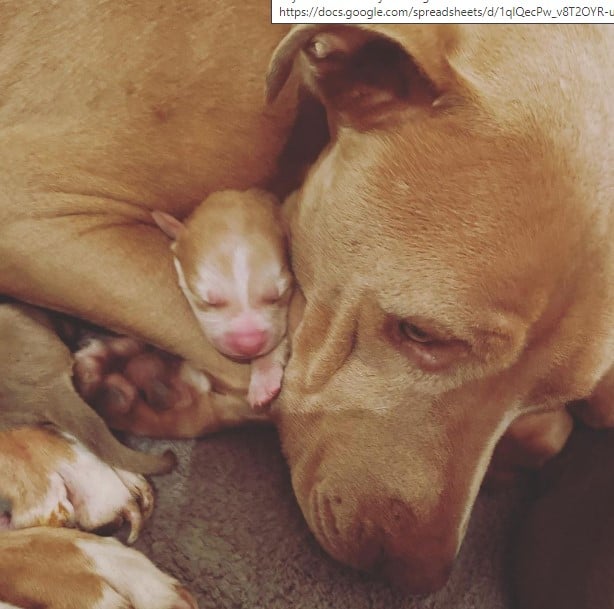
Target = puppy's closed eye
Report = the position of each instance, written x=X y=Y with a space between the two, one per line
x=276 y=296
x=211 y=303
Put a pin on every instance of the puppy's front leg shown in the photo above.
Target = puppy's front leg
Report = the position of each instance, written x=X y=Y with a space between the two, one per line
x=267 y=372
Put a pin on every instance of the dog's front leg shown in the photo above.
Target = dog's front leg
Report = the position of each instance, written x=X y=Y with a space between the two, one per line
x=103 y=261
x=598 y=411
x=109 y=266
x=528 y=443
x=155 y=394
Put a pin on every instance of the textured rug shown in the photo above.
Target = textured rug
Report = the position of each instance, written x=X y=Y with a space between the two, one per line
x=227 y=525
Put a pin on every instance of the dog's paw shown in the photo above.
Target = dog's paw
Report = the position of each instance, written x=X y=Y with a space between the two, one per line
x=146 y=391
x=527 y=444
x=98 y=369
x=97 y=573
x=264 y=385
x=597 y=413
x=118 y=375
x=51 y=480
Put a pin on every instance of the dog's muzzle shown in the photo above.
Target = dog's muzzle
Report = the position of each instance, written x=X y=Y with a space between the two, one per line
x=372 y=503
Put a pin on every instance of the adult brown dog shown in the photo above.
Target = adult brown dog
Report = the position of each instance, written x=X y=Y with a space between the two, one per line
x=451 y=244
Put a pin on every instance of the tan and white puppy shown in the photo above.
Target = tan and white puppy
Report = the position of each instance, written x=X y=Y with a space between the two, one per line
x=232 y=265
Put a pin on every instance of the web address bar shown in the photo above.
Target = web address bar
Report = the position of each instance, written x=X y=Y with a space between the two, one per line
x=439 y=11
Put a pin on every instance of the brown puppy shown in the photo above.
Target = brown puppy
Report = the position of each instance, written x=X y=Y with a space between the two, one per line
x=451 y=244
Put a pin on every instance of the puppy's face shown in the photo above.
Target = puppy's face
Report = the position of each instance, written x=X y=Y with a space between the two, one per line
x=239 y=292
x=231 y=260
x=446 y=265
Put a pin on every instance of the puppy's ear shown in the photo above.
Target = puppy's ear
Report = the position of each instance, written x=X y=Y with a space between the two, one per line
x=365 y=75
x=169 y=225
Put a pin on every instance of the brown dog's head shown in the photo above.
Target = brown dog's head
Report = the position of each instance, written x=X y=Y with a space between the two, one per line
x=450 y=249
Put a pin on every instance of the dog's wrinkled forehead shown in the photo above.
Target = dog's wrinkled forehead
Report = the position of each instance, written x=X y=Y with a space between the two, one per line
x=433 y=197
x=372 y=201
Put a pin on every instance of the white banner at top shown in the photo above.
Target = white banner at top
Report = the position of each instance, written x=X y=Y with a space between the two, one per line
x=439 y=11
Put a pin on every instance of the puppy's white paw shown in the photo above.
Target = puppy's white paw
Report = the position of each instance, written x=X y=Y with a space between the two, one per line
x=47 y=506
x=104 y=495
x=53 y=480
x=132 y=578
x=96 y=573
x=264 y=385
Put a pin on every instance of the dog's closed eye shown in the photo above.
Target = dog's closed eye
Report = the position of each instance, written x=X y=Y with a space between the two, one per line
x=424 y=346
x=410 y=331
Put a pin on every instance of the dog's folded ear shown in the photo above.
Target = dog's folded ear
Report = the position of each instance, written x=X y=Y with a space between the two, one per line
x=365 y=75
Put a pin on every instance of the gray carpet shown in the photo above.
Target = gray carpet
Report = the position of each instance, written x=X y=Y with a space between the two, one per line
x=227 y=525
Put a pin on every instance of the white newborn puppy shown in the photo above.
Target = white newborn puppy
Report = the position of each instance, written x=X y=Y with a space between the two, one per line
x=232 y=263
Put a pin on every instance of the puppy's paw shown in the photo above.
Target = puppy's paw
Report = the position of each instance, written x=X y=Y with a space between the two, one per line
x=99 y=573
x=264 y=385
x=103 y=496
x=51 y=480
x=132 y=578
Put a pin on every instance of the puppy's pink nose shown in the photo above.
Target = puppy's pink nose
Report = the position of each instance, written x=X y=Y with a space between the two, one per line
x=247 y=343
